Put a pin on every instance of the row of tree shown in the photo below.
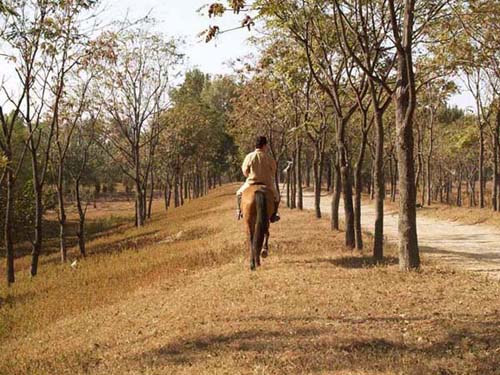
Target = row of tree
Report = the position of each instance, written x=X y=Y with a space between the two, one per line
x=356 y=92
x=85 y=104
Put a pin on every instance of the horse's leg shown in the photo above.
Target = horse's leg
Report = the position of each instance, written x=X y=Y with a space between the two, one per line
x=257 y=257
x=250 y=234
x=265 y=251
x=252 y=252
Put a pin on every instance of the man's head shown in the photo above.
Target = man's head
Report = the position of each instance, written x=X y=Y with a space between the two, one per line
x=261 y=142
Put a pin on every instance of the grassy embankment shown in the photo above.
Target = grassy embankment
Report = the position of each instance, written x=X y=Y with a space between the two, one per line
x=176 y=297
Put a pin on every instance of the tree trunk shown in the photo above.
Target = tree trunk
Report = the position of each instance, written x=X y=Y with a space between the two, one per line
x=293 y=182
x=379 y=181
x=9 y=243
x=139 y=204
x=81 y=220
x=337 y=188
x=420 y=178
x=308 y=173
x=405 y=102
x=317 y=175
x=394 y=182
x=166 y=194
x=181 y=189
x=481 y=167
x=497 y=142
x=37 y=241
x=358 y=189
x=329 y=175
x=495 y=179
x=298 y=173
x=62 y=212
x=429 y=160
x=288 y=188
x=151 y=195
x=317 y=181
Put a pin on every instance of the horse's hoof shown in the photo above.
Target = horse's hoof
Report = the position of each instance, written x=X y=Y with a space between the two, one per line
x=264 y=254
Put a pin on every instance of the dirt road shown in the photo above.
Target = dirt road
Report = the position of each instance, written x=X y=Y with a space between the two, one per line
x=472 y=247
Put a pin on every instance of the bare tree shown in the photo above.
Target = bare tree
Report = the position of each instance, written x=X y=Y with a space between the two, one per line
x=134 y=96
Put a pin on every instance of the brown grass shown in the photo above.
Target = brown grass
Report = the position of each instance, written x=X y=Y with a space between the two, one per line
x=191 y=306
x=464 y=215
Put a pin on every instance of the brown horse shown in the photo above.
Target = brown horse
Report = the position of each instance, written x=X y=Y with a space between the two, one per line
x=257 y=206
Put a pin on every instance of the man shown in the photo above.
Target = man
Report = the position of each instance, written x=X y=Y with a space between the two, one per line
x=259 y=168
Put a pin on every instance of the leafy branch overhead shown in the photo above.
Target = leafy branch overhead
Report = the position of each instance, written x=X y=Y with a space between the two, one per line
x=218 y=9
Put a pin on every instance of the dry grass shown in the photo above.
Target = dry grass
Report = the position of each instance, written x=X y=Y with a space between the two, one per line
x=191 y=306
x=463 y=215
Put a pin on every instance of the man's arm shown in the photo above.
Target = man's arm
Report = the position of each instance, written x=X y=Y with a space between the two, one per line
x=245 y=167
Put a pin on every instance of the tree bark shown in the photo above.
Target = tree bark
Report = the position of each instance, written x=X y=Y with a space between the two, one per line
x=298 y=173
x=308 y=173
x=37 y=241
x=81 y=220
x=481 y=165
x=429 y=159
x=345 y=175
x=62 y=212
x=317 y=181
x=151 y=195
x=459 y=187
x=405 y=102
x=337 y=188
x=358 y=189
x=8 y=240
x=379 y=182
x=293 y=182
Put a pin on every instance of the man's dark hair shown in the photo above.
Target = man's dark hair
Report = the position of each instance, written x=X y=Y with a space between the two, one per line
x=260 y=141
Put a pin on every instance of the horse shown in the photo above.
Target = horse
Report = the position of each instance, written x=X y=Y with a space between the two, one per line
x=257 y=206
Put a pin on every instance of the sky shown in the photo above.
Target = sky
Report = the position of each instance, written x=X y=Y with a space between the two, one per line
x=179 y=18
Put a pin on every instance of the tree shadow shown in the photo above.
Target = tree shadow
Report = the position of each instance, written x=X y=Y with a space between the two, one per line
x=352 y=262
x=326 y=348
x=483 y=256
x=363 y=261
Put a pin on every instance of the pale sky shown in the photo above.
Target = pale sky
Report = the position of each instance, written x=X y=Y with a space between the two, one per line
x=180 y=18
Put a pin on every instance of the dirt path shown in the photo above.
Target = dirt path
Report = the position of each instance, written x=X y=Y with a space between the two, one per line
x=472 y=247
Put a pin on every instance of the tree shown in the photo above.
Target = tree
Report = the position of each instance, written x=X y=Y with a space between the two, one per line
x=134 y=89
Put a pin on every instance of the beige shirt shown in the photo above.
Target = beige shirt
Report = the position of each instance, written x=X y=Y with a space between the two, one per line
x=259 y=167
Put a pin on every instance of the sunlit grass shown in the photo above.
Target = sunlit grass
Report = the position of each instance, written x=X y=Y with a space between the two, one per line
x=177 y=297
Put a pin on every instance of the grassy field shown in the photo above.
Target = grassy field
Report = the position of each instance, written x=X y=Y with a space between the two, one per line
x=464 y=214
x=176 y=297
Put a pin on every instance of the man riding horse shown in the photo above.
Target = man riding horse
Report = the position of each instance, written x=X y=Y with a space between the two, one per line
x=259 y=168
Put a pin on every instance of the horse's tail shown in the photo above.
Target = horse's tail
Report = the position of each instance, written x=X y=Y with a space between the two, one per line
x=261 y=221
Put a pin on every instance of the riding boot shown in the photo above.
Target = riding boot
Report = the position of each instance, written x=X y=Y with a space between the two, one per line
x=239 y=215
x=275 y=217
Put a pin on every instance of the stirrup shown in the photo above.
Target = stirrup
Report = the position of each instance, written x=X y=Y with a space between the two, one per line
x=239 y=215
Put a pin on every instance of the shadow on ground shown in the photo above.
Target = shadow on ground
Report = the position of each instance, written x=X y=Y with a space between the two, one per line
x=353 y=262
x=317 y=349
